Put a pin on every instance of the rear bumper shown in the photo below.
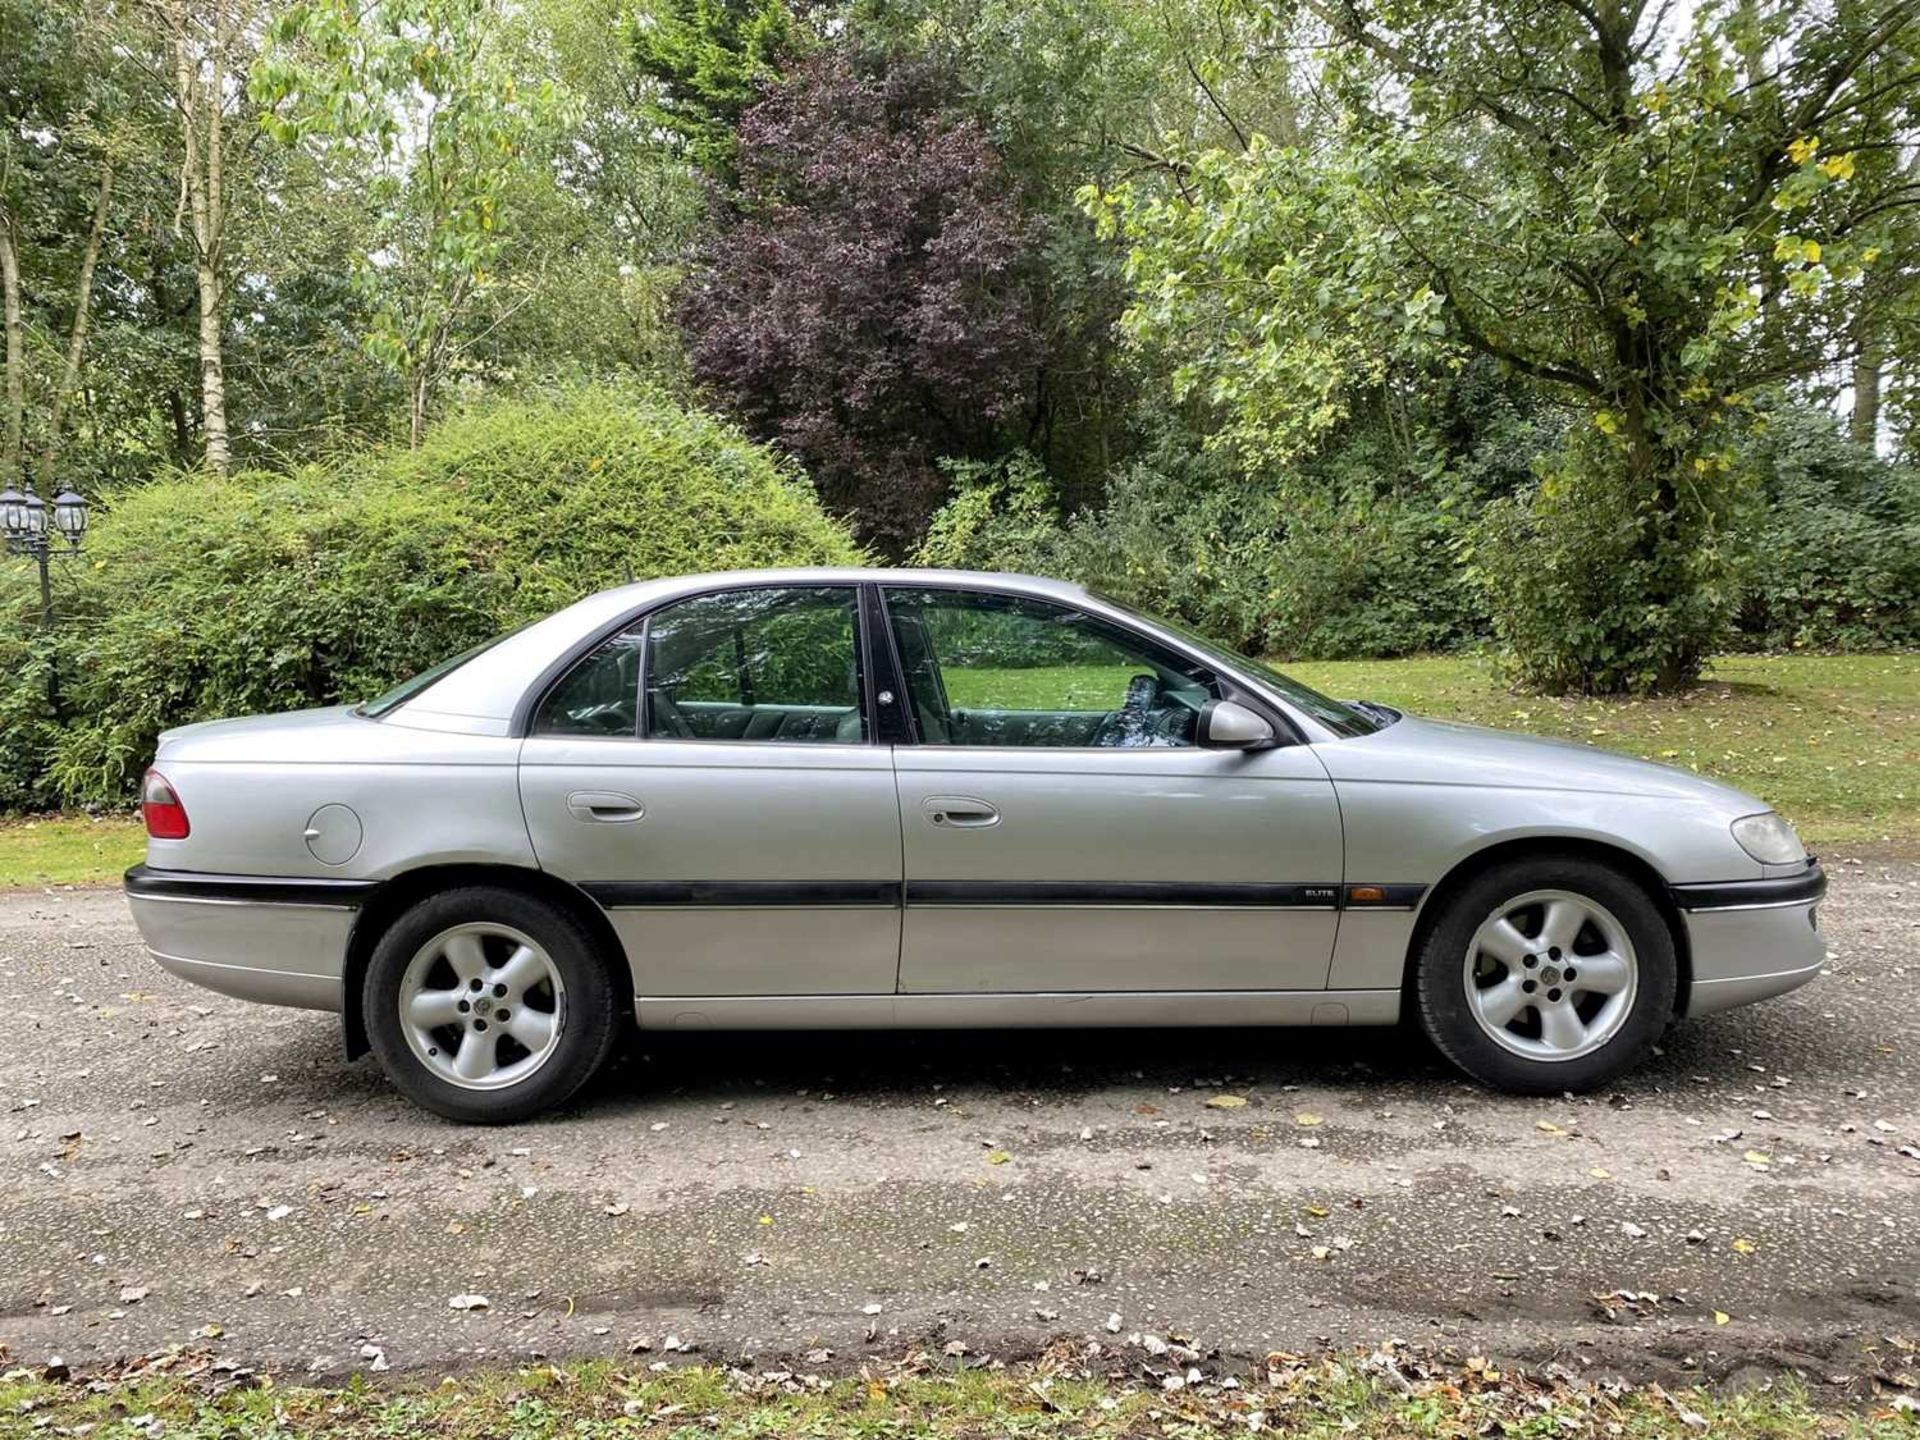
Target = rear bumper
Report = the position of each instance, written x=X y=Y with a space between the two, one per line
x=279 y=942
x=1750 y=940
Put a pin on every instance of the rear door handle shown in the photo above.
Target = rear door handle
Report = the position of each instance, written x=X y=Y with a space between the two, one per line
x=607 y=807
x=962 y=812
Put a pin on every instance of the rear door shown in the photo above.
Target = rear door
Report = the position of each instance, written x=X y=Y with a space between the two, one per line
x=710 y=777
x=1064 y=832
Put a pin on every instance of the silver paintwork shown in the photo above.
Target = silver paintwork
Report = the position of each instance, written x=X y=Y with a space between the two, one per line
x=279 y=954
x=442 y=780
x=1176 y=815
x=1227 y=726
x=729 y=810
x=1745 y=953
x=1561 y=988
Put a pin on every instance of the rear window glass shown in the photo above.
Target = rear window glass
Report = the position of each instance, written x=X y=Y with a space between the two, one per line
x=399 y=695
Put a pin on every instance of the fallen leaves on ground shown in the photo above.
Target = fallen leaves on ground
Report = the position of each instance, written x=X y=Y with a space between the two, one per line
x=1143 y=1383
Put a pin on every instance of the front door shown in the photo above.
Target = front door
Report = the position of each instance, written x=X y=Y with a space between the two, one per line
x=1063 y=832
x=739 y=823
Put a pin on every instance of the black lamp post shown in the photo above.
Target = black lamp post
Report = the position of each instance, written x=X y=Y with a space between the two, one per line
x=24 y=523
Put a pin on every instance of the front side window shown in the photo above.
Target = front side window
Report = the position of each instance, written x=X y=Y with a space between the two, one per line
x=780 y=664
x=1341 y=718
x=986 y=669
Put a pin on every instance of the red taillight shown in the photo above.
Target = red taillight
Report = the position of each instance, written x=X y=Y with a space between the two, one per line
x=166 y=817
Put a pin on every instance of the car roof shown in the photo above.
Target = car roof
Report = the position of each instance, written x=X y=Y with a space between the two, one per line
x=482 y=695
x=645 y=591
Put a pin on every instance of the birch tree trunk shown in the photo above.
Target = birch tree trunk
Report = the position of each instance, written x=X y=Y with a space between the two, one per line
x=16 y=354
x=82 y=312
x=200 y=97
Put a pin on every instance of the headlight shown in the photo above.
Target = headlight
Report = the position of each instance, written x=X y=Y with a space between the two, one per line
x=1769 y=839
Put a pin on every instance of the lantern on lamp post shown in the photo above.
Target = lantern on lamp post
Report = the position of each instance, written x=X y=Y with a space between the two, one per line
x=32 y=527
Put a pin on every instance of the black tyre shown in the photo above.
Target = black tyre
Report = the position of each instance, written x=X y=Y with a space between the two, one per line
x=1549 y=974
x=488 y=1006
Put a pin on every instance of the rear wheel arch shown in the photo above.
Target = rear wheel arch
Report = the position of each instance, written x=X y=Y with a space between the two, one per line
x=401 y=893
x=1536 y=847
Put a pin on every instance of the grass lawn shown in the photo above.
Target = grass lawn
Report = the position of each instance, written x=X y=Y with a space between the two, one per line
x=1388 y=1397
x=1832 y=741
x=69 y=849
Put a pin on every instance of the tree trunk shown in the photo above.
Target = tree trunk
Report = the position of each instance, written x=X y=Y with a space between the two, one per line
x=201 y=179
x=182 y=431
x=213 y=378
x=16 y=354
x=1864 y=424
x=419 y=398
x=82 y=311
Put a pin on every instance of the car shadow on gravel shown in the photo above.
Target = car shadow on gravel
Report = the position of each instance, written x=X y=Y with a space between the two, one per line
x=1388 y=1063
x=1058 y=1063
x=1385 y=1065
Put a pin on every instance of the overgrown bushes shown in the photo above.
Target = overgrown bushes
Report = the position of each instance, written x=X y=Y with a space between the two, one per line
x=1305 y=567
x=1836 y=561
x=202 y=597
x=1360 y=553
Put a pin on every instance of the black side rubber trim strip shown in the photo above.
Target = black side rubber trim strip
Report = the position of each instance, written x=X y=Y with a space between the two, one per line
x=1325 y=895
x=889 y=893
x=623 y=894
x=798 y=894
x=259 y=889
x=1732 y=894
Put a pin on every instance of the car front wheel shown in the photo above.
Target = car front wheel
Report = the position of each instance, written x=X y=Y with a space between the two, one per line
x=488 y=1006
x=1547 y=975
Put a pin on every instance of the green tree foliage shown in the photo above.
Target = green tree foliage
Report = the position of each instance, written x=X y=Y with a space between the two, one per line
x=862 y=304
x=1077 y=92
x=441 y=101
x=703 y=63
x=211 y=596
x=1352 y=552
x=1650 y=220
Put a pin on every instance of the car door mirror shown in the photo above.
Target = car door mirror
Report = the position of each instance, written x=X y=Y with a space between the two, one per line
x=1228 y=725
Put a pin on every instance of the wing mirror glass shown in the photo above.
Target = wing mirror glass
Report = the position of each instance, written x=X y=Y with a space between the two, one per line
x=1228 y=725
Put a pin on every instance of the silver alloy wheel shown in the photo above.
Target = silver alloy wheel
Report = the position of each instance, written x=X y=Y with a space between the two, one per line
x=482 y=1005
x=1551 y=975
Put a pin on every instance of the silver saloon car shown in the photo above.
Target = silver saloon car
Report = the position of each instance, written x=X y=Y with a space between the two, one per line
x=898 y=798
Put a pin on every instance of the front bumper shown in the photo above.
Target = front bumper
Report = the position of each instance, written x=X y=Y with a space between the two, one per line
x=1750 y=940
x=275 y=941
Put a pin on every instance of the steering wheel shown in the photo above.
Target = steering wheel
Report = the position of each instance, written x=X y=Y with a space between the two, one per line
x=608 y=720
x=1175 y=724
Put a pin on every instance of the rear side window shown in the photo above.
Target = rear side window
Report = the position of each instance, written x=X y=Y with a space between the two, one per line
x=776 y=665
x=600 y=695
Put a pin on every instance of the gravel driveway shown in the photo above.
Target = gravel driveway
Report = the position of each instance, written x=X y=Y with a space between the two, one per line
x=184 y=1169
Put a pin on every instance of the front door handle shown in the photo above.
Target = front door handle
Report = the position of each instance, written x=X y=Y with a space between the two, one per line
x=962 y=812
x=607 y=807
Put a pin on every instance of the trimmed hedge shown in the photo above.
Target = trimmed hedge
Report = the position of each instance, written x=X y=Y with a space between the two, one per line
x=203 y=597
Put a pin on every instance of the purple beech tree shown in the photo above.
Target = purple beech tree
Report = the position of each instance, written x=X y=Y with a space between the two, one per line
x=860 y=300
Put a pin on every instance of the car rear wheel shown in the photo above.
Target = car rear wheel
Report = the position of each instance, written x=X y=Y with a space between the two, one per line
x=1547 y=974
x=488 y=1006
